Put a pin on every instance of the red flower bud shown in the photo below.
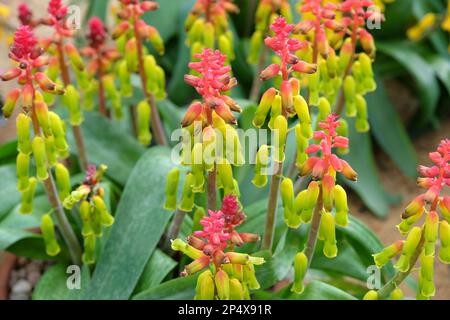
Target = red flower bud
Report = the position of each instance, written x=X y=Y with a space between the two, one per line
x=348 y=171
x=149 y=6
x=304 y=67
x=11 y=74
x=193 y=113
x=120 y=29
x=270 y=72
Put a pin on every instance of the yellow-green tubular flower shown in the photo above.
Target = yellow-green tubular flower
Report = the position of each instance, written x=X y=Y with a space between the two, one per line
x=222 y=282
x=350 y=96
x=287 y=196
x=90 y=95
x=233 y=147
x=371 y=295
x=226 y=45
x=397 y=294
x=340 y=202
x=280 y=125
x=72 y=101
x=198 y=168
x=131 y=54
x=143 y=117
x=431 y=232
x=150 y=69
x=10 y=102
x=302 y=110
x=105 y=217
x=26 y=205
x=236 y=290
x=383 y=257
x=126 y=88
x=324 y=109
x=302 y=144
x=58 y=132
x=255 y=47
x=187 y=199
x=195 y=33
x=314 y=88
x=300 y=268
x=160 y=94
x=85 y=213
x=23 y=123
x=23 y=168
x=342 y=130
x=48 y=233
x=299 y=204
x=262 y=162
x=367 y=72
x=276 y=110
x=62 y=181
x=362 y=125
x=205 y=289
x=410 y=245
x=264 y=107
x=40 y=157
x=50 y=149
x=406 y=225
x=186 y=249
x=250 y=277
x=427 y=275
x=208 y=35
x=173 y=178
x=444 y=232
x=89 y=250
x=226 y=176
x=41 y=110
x=329 y=233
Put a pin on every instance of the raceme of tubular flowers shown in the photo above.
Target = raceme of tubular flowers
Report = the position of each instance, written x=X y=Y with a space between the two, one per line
x=283 y=102
x=94 y=213
x=48 y=144
x=101 y=66
x=210 y=142
x=266 y=13
x=225 y=274
x=323 y=195
x=130 y=33
x=421 y=241
x=207 y=26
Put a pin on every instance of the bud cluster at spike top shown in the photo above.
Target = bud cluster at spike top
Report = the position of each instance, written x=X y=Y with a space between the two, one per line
x=229 y=275
x=266 y=13
x=207 y=26
x=421 y=241
x=207 y=123
x=94 y=214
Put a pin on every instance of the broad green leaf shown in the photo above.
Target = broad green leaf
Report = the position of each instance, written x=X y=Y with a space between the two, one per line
x=9 y=236
x=441 y=66
x=165 y=18
x=54 y=284
x=157 y=268
x=425 y=77
x=98 y=8
x=9 y=195
x=182 y=288
x=389 y=131
x=8 y=152
x=108 y=144
x=368 y=186
x=140 y=222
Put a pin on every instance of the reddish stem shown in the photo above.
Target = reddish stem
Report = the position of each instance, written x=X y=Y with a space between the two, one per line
x=101 y=90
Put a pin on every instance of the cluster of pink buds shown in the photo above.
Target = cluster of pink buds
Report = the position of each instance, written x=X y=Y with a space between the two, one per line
x=207 y=26
x=230 y=274
x=420 y=243
x=26 y=16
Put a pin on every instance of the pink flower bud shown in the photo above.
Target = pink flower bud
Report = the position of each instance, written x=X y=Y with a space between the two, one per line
x=197 y=265
x=44 y=82
x=270 y=72
x=308 y=166
x=304 y=67
x=367 y=42
x=120 y=29
x=348 y=171
x=303 y=27
x=11 y=74
x=27 y=96
x=149 y=6
x=193 y=112
x=10 y=102
x=224 y=112
x=286 y=95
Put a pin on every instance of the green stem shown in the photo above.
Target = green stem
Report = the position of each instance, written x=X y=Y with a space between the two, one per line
x=272 y=208
x=212 y=190
x=314 y=230
x=257 y=83
x=175 y=227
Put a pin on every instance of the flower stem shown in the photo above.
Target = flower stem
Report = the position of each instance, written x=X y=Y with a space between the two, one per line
x=77 y=134
x=256 y=86
x=272 y=208
x=398 y=278
x=63 y=223
x=156 y=124
x=101 y=92
x=314 y=230
x=212 y=190
x=175 y=227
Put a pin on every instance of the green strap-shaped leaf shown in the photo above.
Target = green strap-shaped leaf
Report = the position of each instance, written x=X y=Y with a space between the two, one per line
x=140 y=223
x=182 y=288
x=389 y=131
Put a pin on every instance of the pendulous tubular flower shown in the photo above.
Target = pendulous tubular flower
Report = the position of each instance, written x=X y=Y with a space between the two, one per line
x=421 y=241
x=230 y=275
x=207 y=26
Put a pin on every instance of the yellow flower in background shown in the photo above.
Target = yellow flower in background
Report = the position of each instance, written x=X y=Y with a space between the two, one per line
x=446 y=23
x=4 y=13
x=416 y=32
x=382 y=4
